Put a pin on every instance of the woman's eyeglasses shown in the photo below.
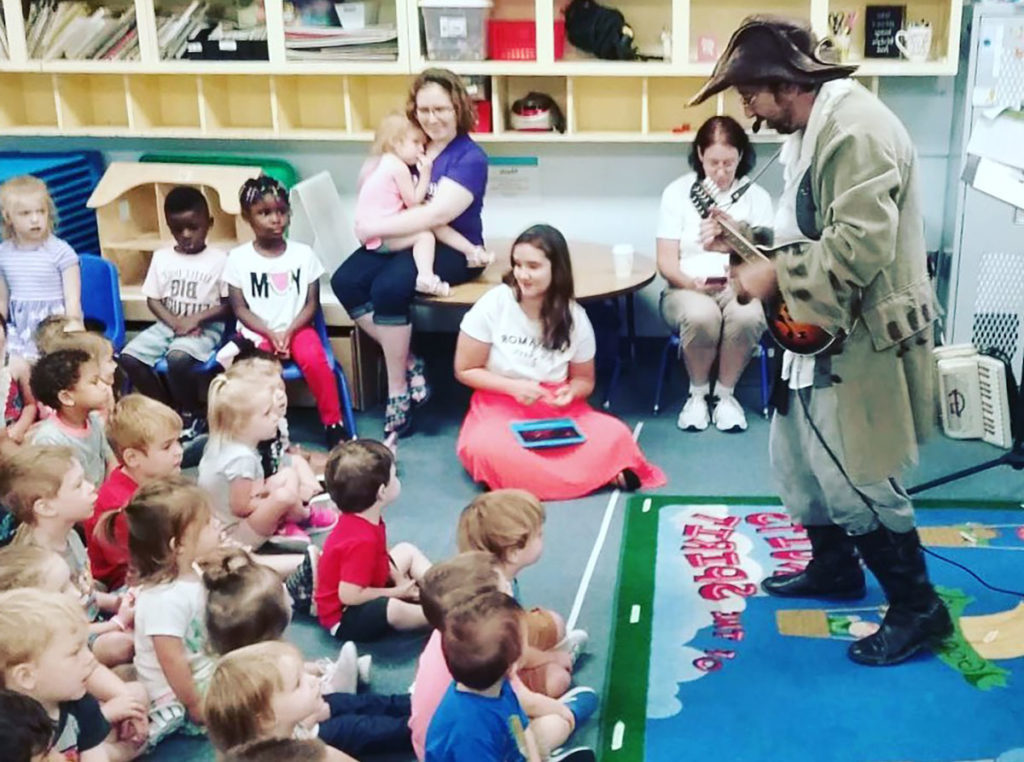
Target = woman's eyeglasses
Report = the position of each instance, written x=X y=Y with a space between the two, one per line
x=436 y=111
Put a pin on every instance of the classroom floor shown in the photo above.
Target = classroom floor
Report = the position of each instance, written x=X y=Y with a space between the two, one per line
x=435 y=489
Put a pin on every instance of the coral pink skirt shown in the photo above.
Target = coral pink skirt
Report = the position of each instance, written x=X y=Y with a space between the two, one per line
x=491 y=454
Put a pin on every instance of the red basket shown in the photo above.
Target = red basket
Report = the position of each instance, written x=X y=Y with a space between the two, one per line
x=517 y=40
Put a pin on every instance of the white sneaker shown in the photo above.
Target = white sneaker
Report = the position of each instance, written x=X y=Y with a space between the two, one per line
x=573 y=643
x=729 y=415
x=343 y=675
x=694 y=416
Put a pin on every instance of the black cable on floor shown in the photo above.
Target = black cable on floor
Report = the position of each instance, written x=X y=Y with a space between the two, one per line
x=968 y=570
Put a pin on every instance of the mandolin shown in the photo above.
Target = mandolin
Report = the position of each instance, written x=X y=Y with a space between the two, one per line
x=799 y=338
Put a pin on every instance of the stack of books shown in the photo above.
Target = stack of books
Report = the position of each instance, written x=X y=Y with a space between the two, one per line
x=319 y=43
x=74 y=30
x=192 y=33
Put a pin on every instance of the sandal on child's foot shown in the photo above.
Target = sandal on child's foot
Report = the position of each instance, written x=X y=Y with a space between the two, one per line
x=479 y=258
x=416 y=377
x=432 y=285
x=398 y=415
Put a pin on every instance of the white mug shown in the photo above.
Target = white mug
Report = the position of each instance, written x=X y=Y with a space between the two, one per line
x=622 y=259
x=915 y=42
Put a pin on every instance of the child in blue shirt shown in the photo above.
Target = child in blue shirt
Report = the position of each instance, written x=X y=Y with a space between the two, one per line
x=480 y=716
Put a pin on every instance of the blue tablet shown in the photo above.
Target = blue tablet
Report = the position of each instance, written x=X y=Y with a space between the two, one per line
x=547 y=432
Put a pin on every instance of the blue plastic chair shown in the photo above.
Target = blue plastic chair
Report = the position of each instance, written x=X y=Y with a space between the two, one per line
x=765 y=350
x=292 y=372
x=101 y=297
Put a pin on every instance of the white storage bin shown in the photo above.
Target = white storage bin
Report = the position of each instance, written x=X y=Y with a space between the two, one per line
x=456 y=30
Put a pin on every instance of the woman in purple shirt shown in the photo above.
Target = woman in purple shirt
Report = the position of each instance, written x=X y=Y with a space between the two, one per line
x=375 y=288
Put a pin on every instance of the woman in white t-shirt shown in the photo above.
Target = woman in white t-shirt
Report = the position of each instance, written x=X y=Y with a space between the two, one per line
x=527 y=349
x=698 y=302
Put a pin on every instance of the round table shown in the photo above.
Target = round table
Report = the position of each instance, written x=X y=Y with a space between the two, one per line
x=592 y=272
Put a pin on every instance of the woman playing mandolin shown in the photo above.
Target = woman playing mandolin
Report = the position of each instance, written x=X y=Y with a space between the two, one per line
x=698 y=302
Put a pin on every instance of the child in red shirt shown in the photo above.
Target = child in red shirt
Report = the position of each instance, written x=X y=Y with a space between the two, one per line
x=362 y=590
x=144 y=435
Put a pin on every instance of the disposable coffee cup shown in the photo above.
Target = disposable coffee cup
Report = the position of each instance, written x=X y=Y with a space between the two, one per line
x=622 y=259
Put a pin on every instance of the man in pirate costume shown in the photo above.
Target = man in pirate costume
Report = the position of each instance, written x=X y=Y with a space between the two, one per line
x=849 y=419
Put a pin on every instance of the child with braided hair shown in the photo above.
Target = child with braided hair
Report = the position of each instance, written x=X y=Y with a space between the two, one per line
x=274 y=289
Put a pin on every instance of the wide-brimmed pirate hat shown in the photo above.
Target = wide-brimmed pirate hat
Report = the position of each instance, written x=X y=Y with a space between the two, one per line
x=770 y=49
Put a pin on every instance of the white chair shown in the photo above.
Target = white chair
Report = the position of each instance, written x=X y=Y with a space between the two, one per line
x=319 y=220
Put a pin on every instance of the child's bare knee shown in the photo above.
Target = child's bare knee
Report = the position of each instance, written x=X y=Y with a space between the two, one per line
x=556 y=681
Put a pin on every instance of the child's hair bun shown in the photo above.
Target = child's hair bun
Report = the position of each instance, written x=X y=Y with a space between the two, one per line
x=223 y=569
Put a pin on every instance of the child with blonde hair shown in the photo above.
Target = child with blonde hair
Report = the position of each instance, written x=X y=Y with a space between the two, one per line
x=39 y=272
x=253 y=510
x=35 y=567
x=386 y=186
x=278 y=452
x=274 y=288
x=144 y=435
x=509 y=524
x=45 y=488
x=170 y=526
x=264 y=690
x=44 y=655
x=69 y=381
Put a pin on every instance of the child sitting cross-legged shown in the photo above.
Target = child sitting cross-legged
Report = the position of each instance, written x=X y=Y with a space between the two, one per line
x=246 y=604
x=34 y=567
x=480 y=716
x=44 y=655
x=144 y=435
x=446 y=589
x=252 y=510
x=279 y=451
x=260 y=691
x=69 y=381
x=170 y=526
x=46 y=490
x=363 y=589
x=509 y=524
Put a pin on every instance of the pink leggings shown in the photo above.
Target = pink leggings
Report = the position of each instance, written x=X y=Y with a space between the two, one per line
x=308 y=354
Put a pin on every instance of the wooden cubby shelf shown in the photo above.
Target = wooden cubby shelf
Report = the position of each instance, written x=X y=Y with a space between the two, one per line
x=278 y=98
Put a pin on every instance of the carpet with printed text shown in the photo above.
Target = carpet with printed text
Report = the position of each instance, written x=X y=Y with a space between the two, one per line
x=706 y=666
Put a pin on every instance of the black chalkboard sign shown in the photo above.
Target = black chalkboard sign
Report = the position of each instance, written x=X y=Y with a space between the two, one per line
x=880 y=26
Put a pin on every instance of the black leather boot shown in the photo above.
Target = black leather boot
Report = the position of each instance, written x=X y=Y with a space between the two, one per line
x=834 y=572
x=916 y=618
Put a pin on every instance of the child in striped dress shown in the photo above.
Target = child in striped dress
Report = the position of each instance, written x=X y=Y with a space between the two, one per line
x=40 y=272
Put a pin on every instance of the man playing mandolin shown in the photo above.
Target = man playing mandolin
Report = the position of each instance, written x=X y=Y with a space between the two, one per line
x=848 y=419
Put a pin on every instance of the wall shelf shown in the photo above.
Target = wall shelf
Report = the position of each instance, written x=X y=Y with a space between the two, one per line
x=276 y=98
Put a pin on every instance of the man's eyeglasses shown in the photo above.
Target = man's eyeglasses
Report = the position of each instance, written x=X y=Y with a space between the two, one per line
x=437 y=111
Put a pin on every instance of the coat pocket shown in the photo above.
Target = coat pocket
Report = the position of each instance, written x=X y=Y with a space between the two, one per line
x=900 y=315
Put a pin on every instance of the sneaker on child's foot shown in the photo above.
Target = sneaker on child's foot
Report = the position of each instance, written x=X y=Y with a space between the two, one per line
x=363 y=666
x=582 y=702
x=301 y=583
x=289 y=537
x=573 y=643
x=342 y=676
x=322 y=518
x=334 y=434
x=579 y=754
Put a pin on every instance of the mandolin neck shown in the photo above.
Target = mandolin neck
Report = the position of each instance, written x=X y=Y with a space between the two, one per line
x=739 y=243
